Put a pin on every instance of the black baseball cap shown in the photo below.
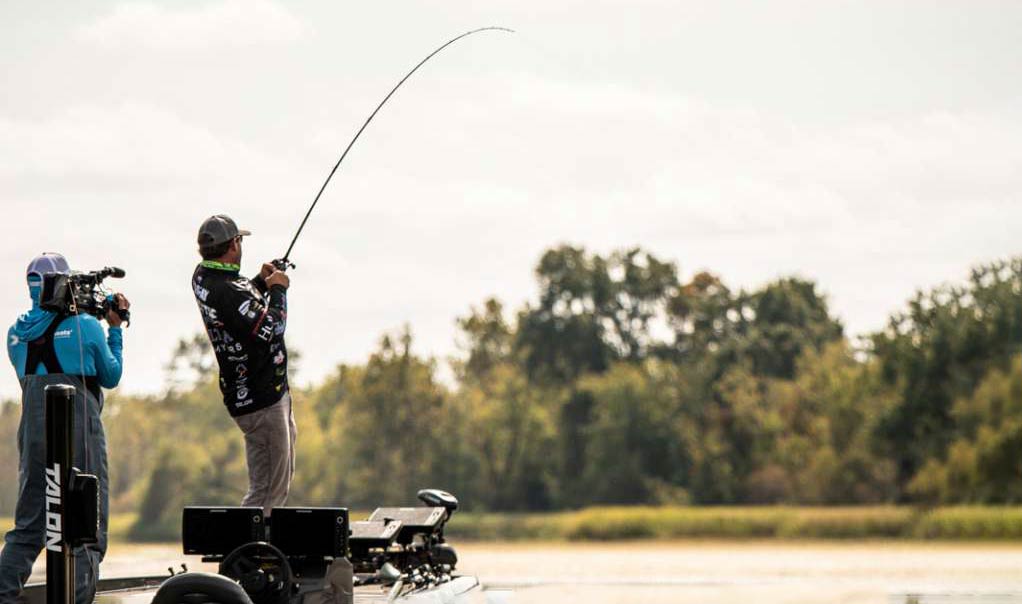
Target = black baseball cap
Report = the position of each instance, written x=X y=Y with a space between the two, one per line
x=219 y=229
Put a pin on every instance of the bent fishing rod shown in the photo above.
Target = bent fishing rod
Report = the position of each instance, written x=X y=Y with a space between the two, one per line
x=285 y=261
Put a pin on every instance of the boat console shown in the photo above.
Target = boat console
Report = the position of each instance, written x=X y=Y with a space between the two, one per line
x=316 y=555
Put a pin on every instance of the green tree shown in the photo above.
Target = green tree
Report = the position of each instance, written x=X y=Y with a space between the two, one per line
x=633 y=453
x=829 y=413
x=509 y=428
x=788 y=317
x=738 y=354
x=510 y=435
x=983 y=464
x=592 y=311
x=701 y=314
x=938 y=350
x=169 y=487
x=486 y=339
x=737 y=428
x=392 y=427
x=765 y=330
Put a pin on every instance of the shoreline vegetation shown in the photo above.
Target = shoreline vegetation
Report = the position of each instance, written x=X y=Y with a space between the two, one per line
x=648 y=523
x=746 y=522
x=627 y=401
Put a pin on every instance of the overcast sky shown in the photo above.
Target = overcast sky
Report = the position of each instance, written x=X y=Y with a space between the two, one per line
x=873 y=147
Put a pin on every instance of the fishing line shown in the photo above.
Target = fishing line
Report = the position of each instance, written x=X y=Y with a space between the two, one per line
x=284 y=262
x=85 y=389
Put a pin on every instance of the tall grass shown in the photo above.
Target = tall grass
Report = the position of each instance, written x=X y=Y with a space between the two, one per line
x=663 y=523
x=628 y=523
x=970 y=522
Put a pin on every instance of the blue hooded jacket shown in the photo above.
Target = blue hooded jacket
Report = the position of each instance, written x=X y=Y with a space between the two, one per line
x=81 y=346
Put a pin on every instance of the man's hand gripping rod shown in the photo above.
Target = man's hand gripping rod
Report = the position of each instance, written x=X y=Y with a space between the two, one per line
x=283 y=263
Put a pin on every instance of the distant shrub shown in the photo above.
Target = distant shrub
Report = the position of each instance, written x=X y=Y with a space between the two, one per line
x=970 y=522
x=848 y=523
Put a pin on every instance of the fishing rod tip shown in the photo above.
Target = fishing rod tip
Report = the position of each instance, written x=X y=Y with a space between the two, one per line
x=497 y=28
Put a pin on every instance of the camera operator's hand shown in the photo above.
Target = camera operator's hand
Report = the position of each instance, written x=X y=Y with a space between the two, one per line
x=278 y=278
x=112 y=317
x=267 y=270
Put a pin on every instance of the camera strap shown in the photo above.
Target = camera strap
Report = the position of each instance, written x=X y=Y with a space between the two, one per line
x=41 y=350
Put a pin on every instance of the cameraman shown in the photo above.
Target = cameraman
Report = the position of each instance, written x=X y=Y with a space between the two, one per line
x=245 y=321
x=52 y=348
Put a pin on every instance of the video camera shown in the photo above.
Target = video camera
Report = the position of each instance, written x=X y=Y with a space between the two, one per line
x=78 y=293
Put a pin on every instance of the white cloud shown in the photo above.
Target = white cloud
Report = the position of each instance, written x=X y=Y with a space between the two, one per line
x=210 y=25
x=593 y=147
x=130 y=141
x=869 y=206
x=461 y=182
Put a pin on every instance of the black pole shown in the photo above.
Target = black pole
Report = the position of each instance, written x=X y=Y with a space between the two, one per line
x=60 y=566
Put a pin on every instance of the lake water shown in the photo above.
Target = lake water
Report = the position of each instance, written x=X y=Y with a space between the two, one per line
x=707 y=572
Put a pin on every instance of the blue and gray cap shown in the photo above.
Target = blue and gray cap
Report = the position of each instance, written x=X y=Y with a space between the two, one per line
x=48 y=262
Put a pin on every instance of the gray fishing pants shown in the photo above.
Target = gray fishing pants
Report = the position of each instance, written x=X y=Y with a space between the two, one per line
x=270 y=436
x=26 y=540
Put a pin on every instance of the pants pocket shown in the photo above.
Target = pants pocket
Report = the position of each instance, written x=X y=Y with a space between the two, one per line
x=251 y=422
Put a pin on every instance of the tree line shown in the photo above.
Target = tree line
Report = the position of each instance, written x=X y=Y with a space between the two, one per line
x=620 y=384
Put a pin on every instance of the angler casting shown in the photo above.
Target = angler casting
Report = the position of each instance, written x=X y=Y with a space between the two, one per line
x=245 y=321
